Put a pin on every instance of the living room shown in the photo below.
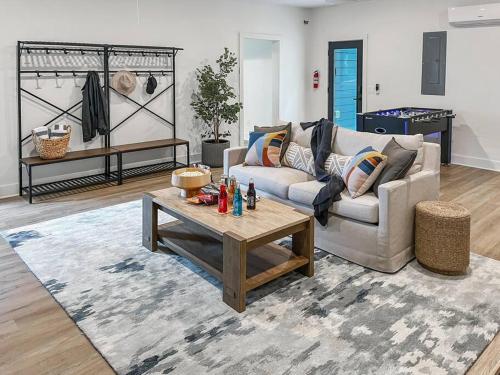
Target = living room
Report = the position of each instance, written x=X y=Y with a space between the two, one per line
x=249 y=187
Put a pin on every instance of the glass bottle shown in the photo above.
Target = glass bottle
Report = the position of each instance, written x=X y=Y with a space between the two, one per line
x=222 y=208
x=231 y=189
x=237 y=202
x=251 y=195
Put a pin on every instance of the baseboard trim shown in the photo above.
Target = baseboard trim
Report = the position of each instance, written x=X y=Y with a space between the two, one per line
x=470 y=161
x=10 y=190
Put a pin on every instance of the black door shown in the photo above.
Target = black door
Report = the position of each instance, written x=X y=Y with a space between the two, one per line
x=345 y=89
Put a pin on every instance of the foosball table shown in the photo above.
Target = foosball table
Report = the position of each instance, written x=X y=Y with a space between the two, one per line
x=409 y=121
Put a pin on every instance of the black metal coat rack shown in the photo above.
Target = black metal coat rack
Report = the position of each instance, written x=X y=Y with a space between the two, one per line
x=104 y=52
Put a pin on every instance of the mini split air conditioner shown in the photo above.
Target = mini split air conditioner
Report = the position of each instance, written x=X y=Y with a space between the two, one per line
x=475 y=15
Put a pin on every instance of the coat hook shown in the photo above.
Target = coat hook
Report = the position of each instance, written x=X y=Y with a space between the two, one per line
x=74 y=79
x=57 y=80
x=65 y=51
x=37 y=80
x=47 y=51
x=28 y=50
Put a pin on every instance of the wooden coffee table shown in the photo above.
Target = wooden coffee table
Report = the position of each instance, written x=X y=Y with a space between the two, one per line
x=238 y=251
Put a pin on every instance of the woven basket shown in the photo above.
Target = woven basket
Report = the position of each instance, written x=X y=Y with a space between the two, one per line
x=442 y=237
x=52 y=148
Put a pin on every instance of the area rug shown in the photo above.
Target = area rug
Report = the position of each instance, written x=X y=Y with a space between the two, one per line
x=154 y=313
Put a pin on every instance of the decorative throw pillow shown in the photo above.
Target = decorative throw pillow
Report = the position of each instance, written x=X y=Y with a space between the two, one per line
x=399 y=162
x=362 y=171
x=278 y=128
x=298 y=157
x=264 y=149
x=336 y=163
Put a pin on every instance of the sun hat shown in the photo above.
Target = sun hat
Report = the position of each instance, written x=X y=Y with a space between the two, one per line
x=124 y=82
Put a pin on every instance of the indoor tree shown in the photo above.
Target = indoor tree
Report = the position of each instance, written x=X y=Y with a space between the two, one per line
x=214 y=102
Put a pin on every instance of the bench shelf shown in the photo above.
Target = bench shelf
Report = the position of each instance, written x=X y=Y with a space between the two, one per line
x=102 y=178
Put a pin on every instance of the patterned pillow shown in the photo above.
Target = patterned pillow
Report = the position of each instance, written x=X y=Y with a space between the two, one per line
x=362 y=171
x=264 y=149
x=298 y=157
x=336 y=163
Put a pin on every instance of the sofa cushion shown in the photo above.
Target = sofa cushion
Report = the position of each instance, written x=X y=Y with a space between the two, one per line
x=277 y=128
x=264 y=149
x=364 y=208
x=300 y=136
x=301 y=158
x=348 y=142
x=275 y=181
x=362 y=171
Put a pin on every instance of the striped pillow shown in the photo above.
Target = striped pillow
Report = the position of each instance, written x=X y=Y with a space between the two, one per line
x=298 y=157
x=362 y=171
x=264 y=149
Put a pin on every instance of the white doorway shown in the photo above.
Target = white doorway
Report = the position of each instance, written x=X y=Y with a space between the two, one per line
x=259 y=82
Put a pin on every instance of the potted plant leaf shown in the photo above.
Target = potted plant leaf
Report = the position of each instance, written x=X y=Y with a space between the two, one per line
x=214 y=103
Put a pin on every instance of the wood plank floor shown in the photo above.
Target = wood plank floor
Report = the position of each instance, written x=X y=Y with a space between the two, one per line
x=37 y=337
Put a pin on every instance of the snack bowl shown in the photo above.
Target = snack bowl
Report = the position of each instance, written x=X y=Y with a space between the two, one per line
x=190 y=180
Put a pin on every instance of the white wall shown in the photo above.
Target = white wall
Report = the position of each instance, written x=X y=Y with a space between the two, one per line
x=258 y=66
x=203 y=28
x=393 y=30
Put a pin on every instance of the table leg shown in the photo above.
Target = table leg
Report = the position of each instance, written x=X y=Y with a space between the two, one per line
x=303 y=245
x=446 y=143
x=234 y=272
x=149 y=223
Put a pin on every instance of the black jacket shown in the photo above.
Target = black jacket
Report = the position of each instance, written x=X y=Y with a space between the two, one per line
x=321 y=145
x=94 y=108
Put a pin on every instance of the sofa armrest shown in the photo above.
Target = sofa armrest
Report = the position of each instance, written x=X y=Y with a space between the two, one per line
x=397 y=201
x=233 y=156
x=432 y=156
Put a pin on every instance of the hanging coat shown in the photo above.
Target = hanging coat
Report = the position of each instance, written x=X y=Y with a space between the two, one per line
x=94 y=108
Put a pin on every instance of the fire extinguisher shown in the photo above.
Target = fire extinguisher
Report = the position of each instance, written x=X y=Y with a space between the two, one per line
x=316 y=79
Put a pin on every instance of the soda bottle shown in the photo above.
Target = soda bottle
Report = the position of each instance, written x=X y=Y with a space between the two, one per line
x=237 y=201
x=222 y=199
x=231 y=188
x=251 y=195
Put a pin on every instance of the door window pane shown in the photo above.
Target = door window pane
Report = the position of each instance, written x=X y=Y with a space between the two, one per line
x=345 y=87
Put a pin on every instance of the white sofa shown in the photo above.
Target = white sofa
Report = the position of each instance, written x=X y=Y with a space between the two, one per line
x=374 y=232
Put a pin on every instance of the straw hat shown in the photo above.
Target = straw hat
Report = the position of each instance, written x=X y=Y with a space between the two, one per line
x=124 y=82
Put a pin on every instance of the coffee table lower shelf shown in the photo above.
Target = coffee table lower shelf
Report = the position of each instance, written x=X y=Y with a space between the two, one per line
x=241 y=259
x=264 y=263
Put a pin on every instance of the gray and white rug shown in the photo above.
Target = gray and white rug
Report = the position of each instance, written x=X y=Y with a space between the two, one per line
x=159 y=314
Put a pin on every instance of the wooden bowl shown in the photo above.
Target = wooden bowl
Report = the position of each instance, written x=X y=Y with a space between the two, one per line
x=190 y=185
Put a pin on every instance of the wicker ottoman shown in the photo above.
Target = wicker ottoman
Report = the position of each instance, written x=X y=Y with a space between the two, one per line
x=442 y=237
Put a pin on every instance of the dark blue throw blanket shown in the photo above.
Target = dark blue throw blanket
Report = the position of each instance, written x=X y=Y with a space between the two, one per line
x=321 y=145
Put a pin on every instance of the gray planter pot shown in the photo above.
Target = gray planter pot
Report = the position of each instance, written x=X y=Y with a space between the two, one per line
x=212 y=153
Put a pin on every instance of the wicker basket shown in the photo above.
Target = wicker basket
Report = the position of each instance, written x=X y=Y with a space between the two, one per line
x=442 y=237
x=52 y=148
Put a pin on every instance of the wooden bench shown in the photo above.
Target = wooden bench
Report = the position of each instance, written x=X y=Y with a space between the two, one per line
x=101 y=178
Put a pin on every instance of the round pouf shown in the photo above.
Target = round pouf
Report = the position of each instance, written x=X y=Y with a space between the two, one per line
x=442 y=237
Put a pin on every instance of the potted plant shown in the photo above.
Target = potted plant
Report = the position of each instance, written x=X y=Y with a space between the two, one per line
x=214 y=103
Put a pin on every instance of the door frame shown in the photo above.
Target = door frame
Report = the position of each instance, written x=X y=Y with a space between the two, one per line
x=276 y=77
x=333 y=45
